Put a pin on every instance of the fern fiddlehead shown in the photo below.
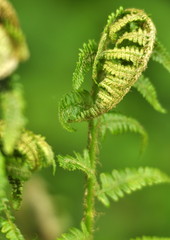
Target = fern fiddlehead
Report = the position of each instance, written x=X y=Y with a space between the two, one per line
x=122 y=64
x=123 y=52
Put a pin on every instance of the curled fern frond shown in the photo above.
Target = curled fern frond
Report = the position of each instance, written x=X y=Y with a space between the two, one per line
x=119 y=183
x=161 y=55
x=118 y=123
x=79 y=162
x=145 y=87
x=7 y=225
x=84 y=64
x=123 y=52
x=31 y=153
x=150 y=238
x=12 y=104
x=13 y=45
x=34 y=151
x=76 y=234
x=123 y=63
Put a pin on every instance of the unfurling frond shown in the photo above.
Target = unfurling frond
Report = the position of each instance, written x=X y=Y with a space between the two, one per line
x=31 y=153
x=119 y=183
x=85 y=61
x=78 y=162
x=71 y=105
x=161 y=55
x=7 y=225
x=145 y=87
x=34 y=152
x=13 y=104
x=13 y=46
x=150 y=238
x=76 y=234
x=118 y=123
x=123 y=52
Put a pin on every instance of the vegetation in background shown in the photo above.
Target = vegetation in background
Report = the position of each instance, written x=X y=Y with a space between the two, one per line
x=116 y=63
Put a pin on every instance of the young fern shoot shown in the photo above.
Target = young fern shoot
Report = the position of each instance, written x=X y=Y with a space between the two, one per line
x=117 y=63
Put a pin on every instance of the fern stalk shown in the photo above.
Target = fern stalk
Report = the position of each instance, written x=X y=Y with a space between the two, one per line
x=89 y=201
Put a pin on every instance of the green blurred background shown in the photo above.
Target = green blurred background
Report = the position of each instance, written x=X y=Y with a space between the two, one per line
x=55 y=30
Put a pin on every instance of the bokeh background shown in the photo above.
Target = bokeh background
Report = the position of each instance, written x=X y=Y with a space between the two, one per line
x=55 y=30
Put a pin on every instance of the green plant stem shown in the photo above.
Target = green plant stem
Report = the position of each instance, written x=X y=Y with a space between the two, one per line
x=89 y=214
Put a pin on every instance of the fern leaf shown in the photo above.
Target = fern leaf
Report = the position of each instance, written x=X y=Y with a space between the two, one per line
x=76 y=234
x=71 y=105
x=8 y=227
x=85 y=61
x=150 y=238
x=161 y=55
x=12 y=113
x=79 y=162
x=118 y=123
x=119 y=183
x=145 y=87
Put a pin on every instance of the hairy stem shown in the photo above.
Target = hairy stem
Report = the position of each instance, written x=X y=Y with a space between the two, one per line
x=89 y=213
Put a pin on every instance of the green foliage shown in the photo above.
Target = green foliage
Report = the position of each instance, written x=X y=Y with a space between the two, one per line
x=161 y=55
x=76 y=234
x=119 y=183
x=12 y=104
x=118 y=123
x=145 y=87
x=150 y=238
x=79 y=162
x=84 y=64
x=7 y=225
